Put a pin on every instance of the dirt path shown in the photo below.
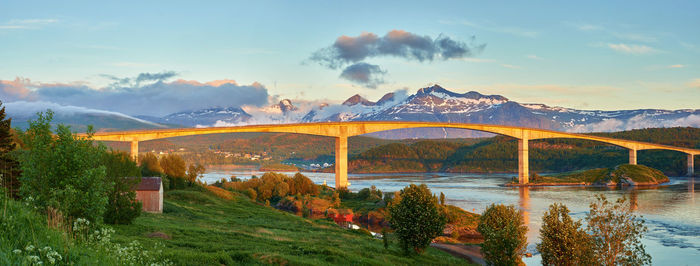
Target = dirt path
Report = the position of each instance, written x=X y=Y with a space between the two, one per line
x=470 y=253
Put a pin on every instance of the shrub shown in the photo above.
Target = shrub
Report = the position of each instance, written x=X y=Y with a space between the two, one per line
x=251 y=194
x=504 y=231
x=416 y=218
x=220 y=192
x=64 y=171
x=616 y=232
x=564 y=242
x=123 y=174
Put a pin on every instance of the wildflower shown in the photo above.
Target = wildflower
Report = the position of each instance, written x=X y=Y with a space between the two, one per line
x=29 y=248
x=17 y=251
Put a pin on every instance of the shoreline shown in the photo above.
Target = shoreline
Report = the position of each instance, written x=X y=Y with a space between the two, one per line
x=584 y=184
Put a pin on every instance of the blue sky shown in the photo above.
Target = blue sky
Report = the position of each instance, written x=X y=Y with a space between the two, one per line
x=592 y=55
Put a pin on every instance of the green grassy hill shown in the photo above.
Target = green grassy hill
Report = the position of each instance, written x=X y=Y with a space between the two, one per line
x=206 y=230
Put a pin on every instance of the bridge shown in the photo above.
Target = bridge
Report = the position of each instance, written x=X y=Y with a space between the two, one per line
x=342 y=130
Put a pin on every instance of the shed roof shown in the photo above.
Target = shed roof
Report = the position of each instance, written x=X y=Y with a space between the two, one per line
x=149 y=184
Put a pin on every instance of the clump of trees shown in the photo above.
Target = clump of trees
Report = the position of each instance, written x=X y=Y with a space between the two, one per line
x=9 y=167
x=72 y=175
x=503 y=229
x=416 y=217
x=172 y=168
x=612 y=236
x=124 y=175
x=274 y=186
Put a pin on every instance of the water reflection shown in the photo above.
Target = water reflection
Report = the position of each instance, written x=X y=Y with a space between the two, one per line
x=524 y=193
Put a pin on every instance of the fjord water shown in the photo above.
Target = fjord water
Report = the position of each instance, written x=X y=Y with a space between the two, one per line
x=670 y=211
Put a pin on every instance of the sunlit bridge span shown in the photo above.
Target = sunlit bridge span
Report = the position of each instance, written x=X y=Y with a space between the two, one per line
x=342 y=130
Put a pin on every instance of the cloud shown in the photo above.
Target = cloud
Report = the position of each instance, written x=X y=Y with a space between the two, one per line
x=515 y=31
x=510 y=66
x=629 y=36
x=398 y=43
x=534 y=57
x=24 y=109
x=694 y=83
x=631 y=48
x=348 y=52
x=143 y=77
x=365 y=74
x=13 y=90
x=677 y=66
x=637 y=122
x=17 y=24
x=145 y=94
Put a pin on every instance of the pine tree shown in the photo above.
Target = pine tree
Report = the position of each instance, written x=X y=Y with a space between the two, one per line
x=9 y=167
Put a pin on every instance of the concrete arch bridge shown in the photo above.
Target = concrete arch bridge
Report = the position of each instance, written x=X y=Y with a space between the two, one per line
x=342 y=130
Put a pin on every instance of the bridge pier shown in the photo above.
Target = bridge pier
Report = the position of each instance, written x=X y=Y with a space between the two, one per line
x=691 y=165
x=633 y=156
x=341 y=159
x=135 y=150
x=523 y=161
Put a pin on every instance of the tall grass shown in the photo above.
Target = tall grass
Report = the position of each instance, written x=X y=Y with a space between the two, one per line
x=28 y=237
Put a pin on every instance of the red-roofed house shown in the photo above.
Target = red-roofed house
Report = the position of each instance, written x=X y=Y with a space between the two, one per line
x=150 y=193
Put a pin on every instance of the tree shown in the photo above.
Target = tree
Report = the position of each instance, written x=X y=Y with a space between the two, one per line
x=616 y=232
x=62 y=171
x=503 y=229
x=173 y=166
x=194 y=172
x=9 y=167
x=564 y=242
x=416 y=217
x=124 y=175
x=150 y=165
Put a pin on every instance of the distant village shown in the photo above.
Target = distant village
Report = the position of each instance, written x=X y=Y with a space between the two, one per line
x=237 y=157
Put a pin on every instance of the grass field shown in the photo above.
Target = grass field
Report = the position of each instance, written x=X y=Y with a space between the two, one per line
x=206 y=230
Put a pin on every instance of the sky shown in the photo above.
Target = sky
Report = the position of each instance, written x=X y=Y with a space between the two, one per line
x=158 y=57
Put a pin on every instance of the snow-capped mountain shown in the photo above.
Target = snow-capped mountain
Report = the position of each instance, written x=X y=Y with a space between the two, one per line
x=437 y=104
x=207 y=117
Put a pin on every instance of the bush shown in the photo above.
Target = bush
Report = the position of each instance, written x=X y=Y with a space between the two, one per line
x=251 y=194
x=416 y=218
x=564 y=242
x=123 y=174
x=504 y=231
x=616 y=232
x=64 y=171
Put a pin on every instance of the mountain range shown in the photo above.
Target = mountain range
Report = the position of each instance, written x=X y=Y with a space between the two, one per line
x=433 y=104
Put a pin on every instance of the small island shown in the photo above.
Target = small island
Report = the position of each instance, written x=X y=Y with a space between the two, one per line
x=620 y=176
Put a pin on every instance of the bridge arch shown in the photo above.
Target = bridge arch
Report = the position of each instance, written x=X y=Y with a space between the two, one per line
x=342 y=130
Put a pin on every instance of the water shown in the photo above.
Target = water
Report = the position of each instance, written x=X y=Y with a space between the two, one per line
x=670 y=212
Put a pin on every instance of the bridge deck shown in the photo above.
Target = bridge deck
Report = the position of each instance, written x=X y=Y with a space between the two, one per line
x=342 y=130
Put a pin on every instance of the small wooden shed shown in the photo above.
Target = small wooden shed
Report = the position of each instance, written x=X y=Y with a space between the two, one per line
x=150 y=193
